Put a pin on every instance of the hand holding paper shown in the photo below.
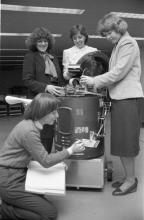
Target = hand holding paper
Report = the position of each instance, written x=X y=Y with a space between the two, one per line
x=77 y=146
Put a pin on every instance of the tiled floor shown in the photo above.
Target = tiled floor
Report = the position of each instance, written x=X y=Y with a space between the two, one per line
x=91 y=204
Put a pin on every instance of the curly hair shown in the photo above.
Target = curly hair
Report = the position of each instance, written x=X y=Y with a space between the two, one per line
x=111 y=22
x=37 y=34
x=79 y=28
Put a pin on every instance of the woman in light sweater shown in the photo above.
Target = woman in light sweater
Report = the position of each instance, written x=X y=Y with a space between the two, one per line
x=125 y=90
x=22 y=145
x=79 y=37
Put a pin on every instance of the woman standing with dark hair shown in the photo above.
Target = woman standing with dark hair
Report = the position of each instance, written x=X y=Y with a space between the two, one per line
x=125 y=90
x=21 y=146
x=41 y=73
x=79 y=37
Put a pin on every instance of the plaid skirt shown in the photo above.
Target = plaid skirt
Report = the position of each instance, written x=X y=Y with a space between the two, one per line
x=125 y=127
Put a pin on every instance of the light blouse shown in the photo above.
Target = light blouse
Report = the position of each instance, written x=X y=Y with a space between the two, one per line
x=73 y=55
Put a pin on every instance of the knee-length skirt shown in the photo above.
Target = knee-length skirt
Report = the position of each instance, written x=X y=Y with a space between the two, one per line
x=125 y=127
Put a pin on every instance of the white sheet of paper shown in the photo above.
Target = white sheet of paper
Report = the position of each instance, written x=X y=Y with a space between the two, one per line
x=45 y=180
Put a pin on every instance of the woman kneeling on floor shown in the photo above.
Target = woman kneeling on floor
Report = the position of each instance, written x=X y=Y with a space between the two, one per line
x=22 y=145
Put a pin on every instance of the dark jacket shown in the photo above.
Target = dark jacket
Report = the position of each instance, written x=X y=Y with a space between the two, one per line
x=34 y=76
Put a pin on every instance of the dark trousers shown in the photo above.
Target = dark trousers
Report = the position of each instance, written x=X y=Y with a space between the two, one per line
x=28 y=207
x=17 y=204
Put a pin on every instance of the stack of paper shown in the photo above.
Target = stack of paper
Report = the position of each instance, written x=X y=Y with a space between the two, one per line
x=45 y=180
x=90 y=143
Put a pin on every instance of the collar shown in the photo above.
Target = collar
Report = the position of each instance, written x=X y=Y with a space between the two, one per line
x=77 y=48
x=126 y=35
x=38 y=125
x=47 y=54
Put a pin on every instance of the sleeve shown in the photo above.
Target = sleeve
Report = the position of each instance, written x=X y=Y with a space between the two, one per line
x=29 y=75
x=37 y=151
x=125 y=59
x=65 y=63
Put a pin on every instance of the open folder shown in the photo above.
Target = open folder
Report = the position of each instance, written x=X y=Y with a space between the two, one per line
x=45 y=180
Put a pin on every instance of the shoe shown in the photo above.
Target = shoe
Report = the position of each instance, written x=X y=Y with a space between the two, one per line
x=117 y=184
x=131 y=189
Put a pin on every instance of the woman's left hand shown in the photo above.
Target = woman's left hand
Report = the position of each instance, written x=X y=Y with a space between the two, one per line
x=87 y=80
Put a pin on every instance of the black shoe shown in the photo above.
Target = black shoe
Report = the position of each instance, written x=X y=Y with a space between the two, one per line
x=117 y=184
x=131 y=189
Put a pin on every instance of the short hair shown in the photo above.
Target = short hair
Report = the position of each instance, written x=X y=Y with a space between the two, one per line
x=79 y=28
x=37 y=34
x=41 y=105
x=112 y=22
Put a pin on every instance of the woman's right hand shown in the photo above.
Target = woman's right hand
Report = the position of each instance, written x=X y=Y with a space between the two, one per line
x=55 y=90
x=87 y=80
x=76 y=147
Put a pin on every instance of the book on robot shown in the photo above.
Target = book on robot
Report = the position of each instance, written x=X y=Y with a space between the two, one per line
x=48 y=181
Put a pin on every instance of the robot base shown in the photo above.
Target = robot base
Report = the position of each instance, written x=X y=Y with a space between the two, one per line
x=85 y=173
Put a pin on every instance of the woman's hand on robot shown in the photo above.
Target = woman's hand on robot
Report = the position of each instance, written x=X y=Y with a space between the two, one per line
x=55 y=90
x=78 y=146
x=86 y=80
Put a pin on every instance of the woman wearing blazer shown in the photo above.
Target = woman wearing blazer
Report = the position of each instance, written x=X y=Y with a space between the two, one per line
x=41 y=73
x=123 y=83
x=41 y=70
